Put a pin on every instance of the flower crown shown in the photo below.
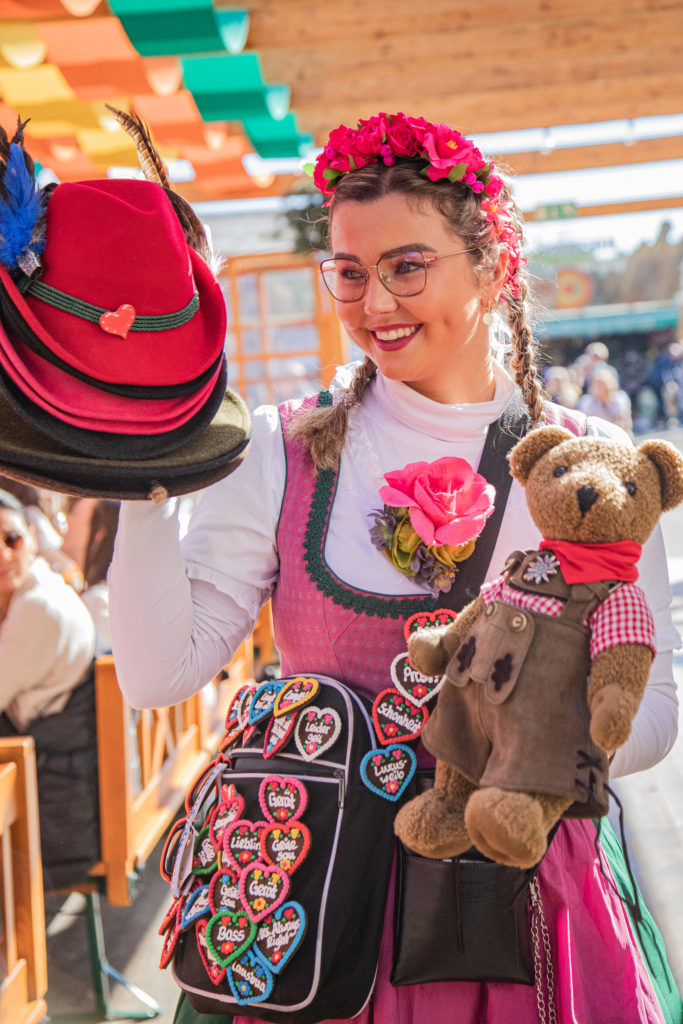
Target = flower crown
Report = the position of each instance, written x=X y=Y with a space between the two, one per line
x=444 y=153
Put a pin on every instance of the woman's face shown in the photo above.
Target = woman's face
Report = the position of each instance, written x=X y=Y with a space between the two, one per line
x=17 y=551
x=436 y=342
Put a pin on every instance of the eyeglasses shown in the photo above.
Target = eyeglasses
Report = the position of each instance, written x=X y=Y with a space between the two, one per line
x=14 y=540
x=401 y=273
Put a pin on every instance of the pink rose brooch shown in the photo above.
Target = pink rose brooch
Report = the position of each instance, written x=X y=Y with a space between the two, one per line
x=433 y=513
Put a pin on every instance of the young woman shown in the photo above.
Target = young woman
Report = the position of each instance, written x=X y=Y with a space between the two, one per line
x=429 y=282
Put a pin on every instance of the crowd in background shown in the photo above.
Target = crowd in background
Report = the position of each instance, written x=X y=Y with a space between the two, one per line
x=54 y=556
x=643 y=396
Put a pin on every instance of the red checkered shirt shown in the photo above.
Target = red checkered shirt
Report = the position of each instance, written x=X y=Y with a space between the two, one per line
x=622 y=618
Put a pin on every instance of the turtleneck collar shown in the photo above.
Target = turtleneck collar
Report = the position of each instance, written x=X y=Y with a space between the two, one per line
x=445 y=422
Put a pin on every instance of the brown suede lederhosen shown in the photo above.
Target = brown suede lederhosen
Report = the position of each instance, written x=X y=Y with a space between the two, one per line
x=497 y=719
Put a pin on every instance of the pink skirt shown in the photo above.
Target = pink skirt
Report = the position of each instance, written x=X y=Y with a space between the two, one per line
x=600 y=976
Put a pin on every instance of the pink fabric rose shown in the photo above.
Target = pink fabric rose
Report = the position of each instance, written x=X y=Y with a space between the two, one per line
x=448 y=502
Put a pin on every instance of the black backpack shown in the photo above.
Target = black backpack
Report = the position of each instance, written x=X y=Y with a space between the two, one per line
x=340 y=887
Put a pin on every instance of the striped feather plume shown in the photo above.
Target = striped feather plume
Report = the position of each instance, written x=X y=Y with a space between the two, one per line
x=153 y=167
x=22 y=206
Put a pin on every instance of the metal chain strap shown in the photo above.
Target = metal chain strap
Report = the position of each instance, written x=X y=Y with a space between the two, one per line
x=547 y=1013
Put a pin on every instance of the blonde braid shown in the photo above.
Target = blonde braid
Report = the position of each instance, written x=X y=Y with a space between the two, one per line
x=323 y=430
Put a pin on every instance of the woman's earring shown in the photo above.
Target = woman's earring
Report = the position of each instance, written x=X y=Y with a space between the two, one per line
x=488 y=315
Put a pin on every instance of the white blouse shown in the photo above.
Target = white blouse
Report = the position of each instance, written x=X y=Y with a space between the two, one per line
x=178 y=611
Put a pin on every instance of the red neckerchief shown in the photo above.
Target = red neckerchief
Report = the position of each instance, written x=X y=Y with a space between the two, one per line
x=586 y=563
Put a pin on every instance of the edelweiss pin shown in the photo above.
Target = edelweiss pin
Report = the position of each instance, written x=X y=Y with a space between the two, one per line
x=542 y=568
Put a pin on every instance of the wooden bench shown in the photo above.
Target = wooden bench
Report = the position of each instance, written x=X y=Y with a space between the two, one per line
x=23 y=956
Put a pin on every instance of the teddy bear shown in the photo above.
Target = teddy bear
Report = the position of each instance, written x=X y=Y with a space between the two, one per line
x=546 y=667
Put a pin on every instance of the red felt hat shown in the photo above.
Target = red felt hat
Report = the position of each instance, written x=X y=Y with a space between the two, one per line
x=112 y=327
x=113 y=244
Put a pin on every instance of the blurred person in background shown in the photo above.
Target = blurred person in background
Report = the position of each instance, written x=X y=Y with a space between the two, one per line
x=606 y=399
x=47 y=643
x=89 y=541
x=45 y=512
x=560 y=386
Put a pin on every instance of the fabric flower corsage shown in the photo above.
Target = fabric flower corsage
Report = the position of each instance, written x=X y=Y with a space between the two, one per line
x=433 y=513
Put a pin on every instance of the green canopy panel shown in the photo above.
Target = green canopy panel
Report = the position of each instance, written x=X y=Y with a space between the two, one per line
x=164 y=28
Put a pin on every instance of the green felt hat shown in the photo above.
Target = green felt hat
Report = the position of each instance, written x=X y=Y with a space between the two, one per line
x=34 y=457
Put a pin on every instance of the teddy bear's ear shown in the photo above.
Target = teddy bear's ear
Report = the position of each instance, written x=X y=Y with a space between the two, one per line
x=529 y=450
x=669 y=464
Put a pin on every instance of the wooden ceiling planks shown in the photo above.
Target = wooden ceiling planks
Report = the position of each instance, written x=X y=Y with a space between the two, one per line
x=487 y=67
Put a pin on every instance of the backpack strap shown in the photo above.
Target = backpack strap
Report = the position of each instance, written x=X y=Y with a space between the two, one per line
x=503 y=434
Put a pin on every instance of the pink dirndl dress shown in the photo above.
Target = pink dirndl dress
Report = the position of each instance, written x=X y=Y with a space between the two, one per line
x=323 y=625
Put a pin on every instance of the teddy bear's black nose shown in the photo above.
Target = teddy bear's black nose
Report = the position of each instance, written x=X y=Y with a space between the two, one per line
x=587 y=497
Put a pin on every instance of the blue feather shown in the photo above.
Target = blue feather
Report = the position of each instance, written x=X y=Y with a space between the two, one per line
x=19 y=211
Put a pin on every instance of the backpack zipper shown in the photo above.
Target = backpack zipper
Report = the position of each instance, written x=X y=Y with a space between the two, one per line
x=283 y=765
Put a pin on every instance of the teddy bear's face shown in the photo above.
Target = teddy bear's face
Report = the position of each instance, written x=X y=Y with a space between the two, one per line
x=595 y=492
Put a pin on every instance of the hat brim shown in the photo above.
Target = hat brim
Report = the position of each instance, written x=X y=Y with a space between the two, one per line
x=89 y=435
x=34 y=457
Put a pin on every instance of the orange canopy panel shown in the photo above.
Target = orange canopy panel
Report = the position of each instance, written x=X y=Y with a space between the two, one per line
x=162 y=110
x=89 y=41
x=108 y=78
x=67 y=167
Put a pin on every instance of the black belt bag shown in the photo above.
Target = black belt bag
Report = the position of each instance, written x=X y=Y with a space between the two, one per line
x=464 y=919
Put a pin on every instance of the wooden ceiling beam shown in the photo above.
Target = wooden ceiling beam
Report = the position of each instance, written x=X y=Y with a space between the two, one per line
x=576 y=158
x=301 y=23
x=627 y=71
x=571 y=50
x=639 y=206
x=473 y=110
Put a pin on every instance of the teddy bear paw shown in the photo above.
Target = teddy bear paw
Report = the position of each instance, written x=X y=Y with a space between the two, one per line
x=432 y=827
x=611 y=717
x=507 y=827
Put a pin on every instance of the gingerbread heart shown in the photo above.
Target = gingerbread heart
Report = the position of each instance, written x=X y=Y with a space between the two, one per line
x=232 y=715
x=224 y=893
x=397 y=719
x=263 y=700
x=171 y=915
x=263 y=887
x=286 y=845
x=428 y=620
x=233 y=731
x=197 y=906
x=316 y=730
x=412 y=684
x=170 y=939
x=282 y=797
x=205 y=856
x=279 y=935
x=243 y=703
x=250 y=980
x=241 y=842
x=228 y=810
x=295 y=694
x=388 y=771
x=214 y=970
x=170 y=849
x=120 y=322
x=278 y=733
x=228 y=935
